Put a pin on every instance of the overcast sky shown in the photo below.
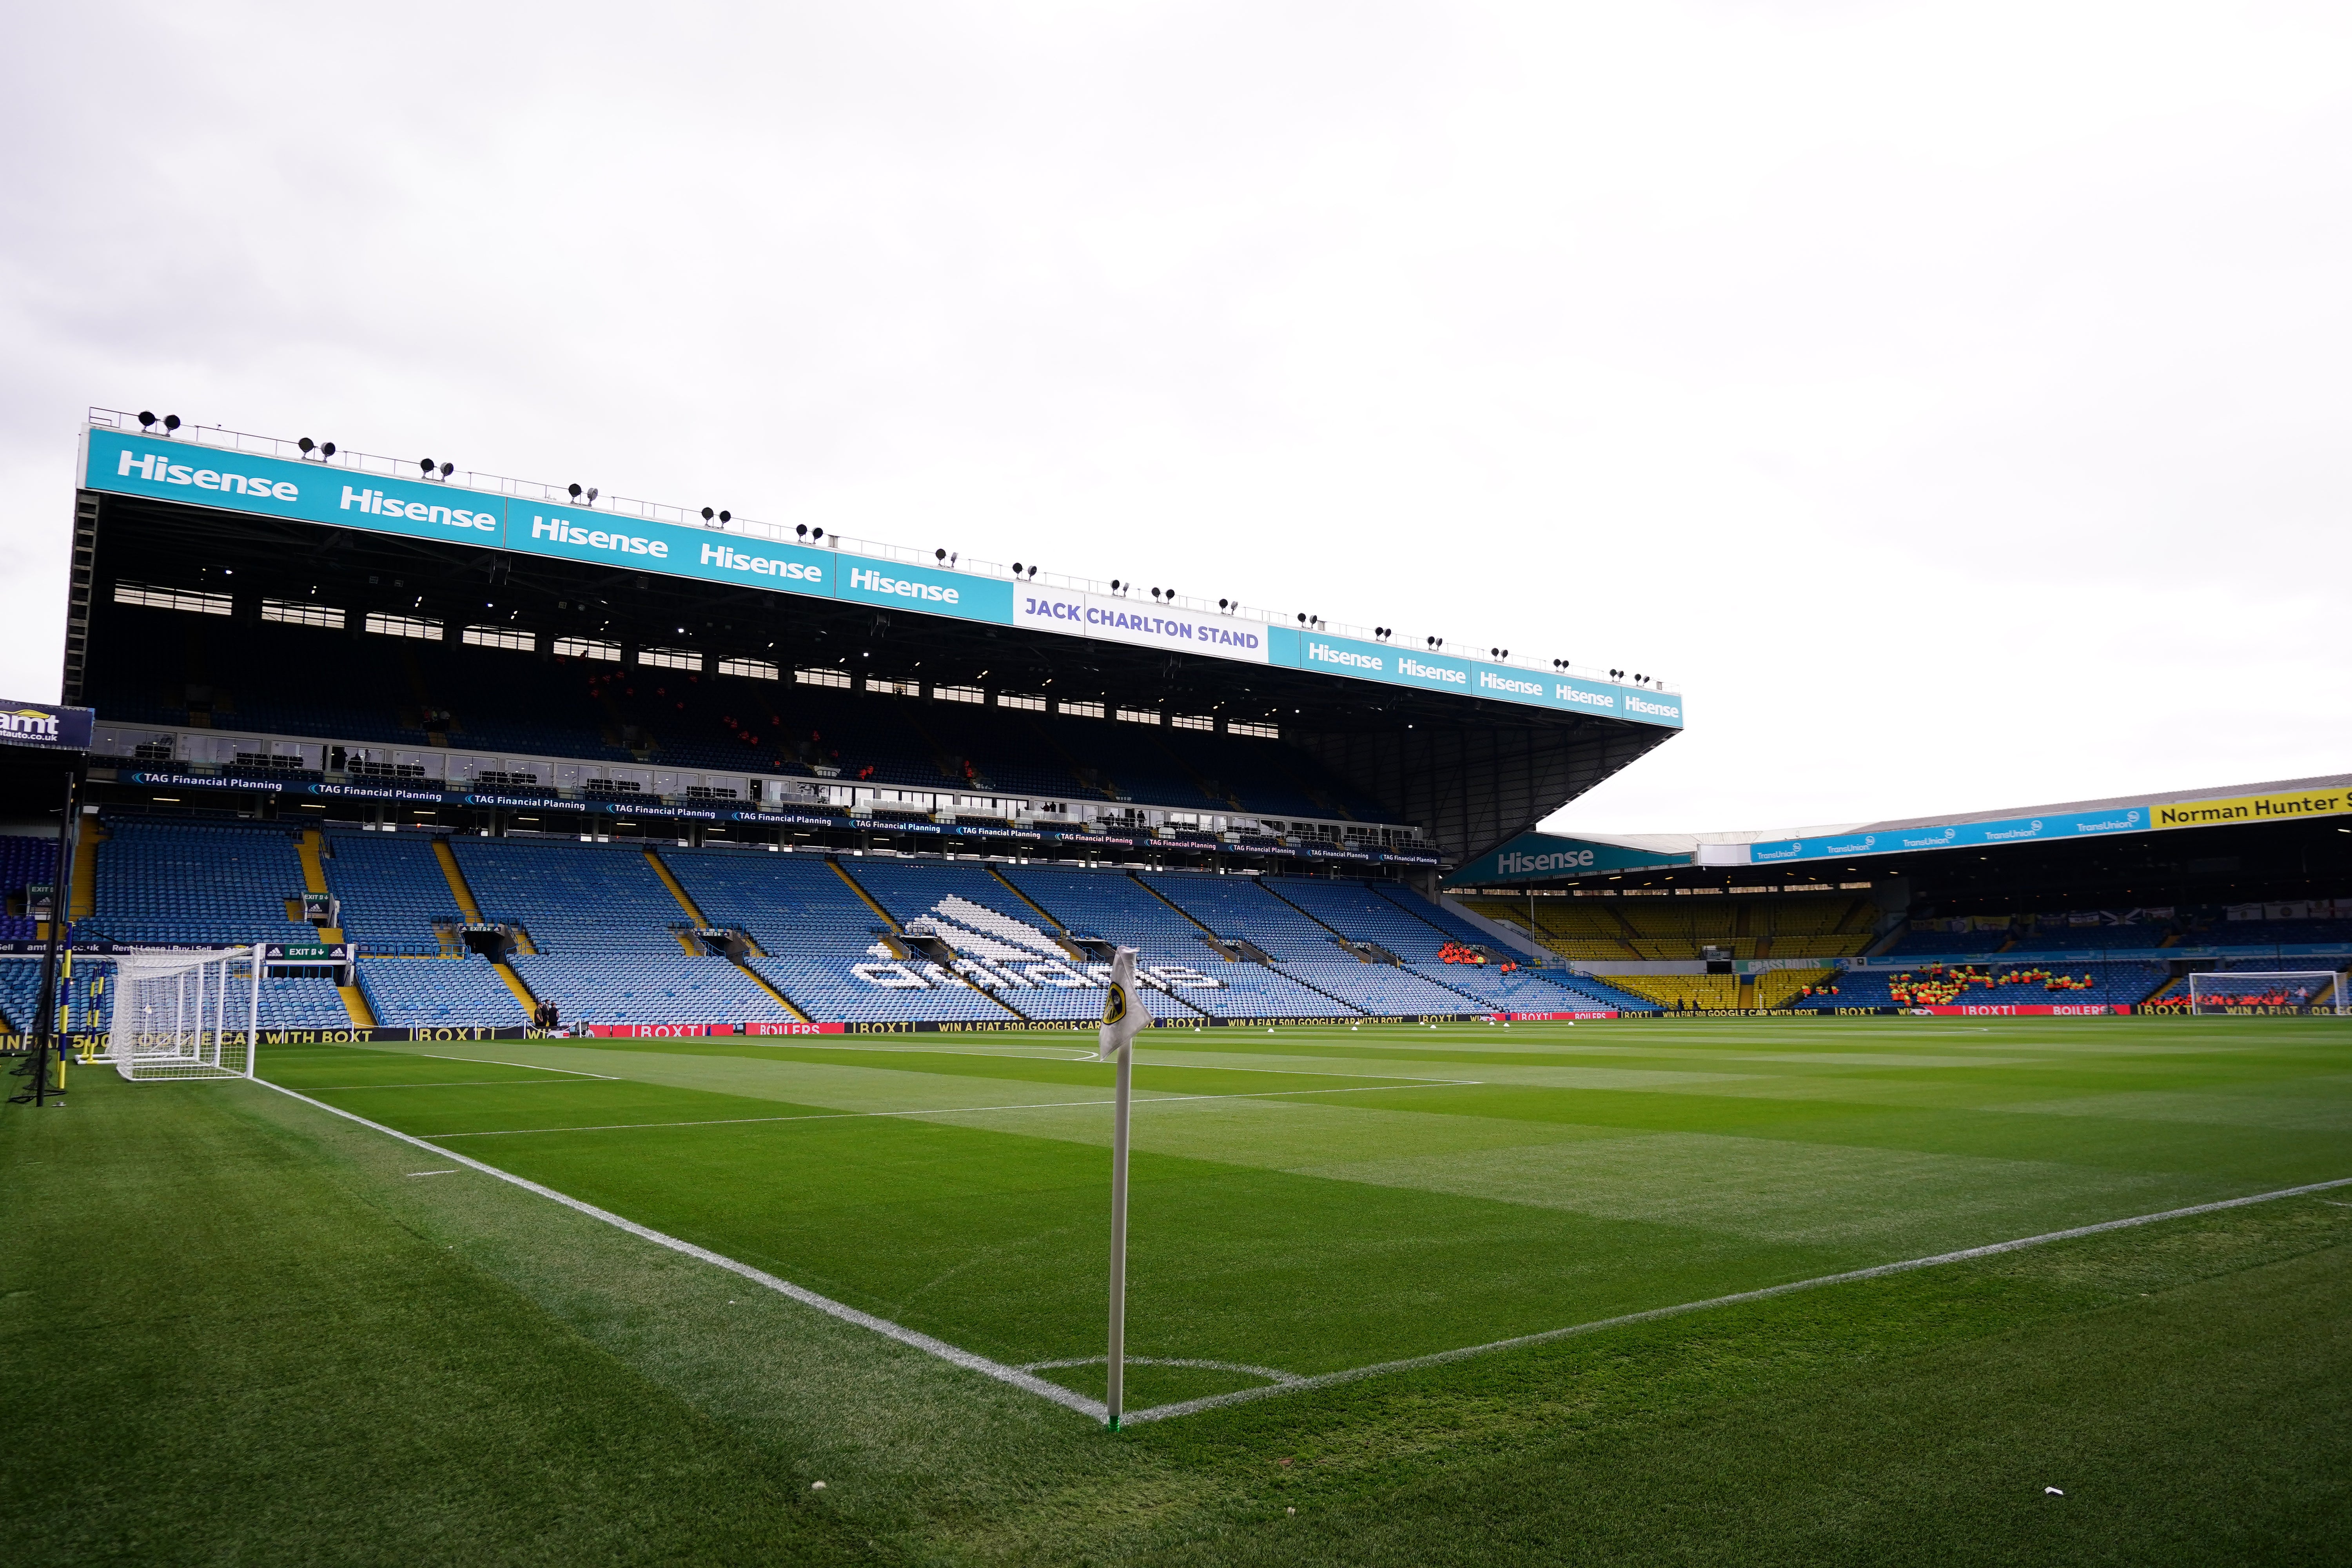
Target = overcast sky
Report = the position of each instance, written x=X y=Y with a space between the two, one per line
x=1951 y=399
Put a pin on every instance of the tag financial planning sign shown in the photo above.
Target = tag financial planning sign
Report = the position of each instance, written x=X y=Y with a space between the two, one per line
x=147 y=466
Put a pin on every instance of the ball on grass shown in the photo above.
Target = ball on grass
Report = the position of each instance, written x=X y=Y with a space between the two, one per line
x=816 y=1486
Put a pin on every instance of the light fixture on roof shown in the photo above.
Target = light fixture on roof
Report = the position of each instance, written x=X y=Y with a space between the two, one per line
x=800 y=528
x=310 y=448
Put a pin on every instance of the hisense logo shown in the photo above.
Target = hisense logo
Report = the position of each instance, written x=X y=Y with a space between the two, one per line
x=1558 y=860
x=562 y=530
x=157 y=469
x=375 y=503
x=726 y=558
x=868 y=582
x=1324 y=653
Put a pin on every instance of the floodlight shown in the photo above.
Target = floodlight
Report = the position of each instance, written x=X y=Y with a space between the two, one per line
x=425 y=465
x=939 y=555
x=303 y=445
x=1221 y=604
x=1016 y=569
x=448 y=468
x=171 y=424
x=1033 y=572
x=817 y=533
x=574 y=490
x=1113 y=584
x=591 y=495
x=726 y=516
x=800 y=528
x=707 y=514
x=327 y=450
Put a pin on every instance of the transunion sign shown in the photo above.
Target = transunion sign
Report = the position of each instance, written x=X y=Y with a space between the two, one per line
x=126 y=464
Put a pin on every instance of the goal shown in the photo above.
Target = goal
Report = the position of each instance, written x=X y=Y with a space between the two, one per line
x=186 y=1015
x=2267 y=991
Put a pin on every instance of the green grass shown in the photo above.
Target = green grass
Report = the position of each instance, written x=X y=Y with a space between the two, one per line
x=243 y=1328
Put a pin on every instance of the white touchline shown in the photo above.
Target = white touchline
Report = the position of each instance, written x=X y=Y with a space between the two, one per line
x=952 y=1111
x=1094 y=1408
x=527 y=1066
x=448 y=1173
x=1325 y=1380
x=847 y=1314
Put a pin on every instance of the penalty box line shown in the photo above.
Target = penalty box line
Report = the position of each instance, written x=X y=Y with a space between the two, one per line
x=1440 y=1358
x=1067 y=1398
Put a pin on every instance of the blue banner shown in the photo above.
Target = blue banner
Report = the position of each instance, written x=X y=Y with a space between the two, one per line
x=930 y=589
x=1543 y=858
x=1952 y=835
x=1469 y=678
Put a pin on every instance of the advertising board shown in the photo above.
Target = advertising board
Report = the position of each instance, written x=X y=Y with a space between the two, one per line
x=44 y=726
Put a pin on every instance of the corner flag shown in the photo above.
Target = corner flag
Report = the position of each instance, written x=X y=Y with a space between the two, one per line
x=1122 y=1017
x=1122 y=1013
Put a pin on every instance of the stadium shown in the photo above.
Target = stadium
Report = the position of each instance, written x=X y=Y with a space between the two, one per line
x=402 y=823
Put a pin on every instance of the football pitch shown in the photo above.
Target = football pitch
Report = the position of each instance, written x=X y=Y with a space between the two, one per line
x=1459 y=1292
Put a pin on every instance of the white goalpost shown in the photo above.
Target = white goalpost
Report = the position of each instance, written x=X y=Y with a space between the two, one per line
x=186 y=1015
x=2268 y=991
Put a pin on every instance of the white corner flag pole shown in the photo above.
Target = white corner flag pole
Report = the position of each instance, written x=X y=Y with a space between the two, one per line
x=1122 y=1017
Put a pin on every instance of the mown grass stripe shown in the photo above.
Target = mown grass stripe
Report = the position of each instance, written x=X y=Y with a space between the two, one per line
x=1440 y=1358
x=951 y=1110
x=947 y=1353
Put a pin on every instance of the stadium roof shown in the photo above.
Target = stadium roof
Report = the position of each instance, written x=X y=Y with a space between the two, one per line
x=1470 y=750
x=1542 y=856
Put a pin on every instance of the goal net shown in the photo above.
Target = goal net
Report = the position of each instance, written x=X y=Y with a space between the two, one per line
x=186 y=1015
x=2267 y=991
